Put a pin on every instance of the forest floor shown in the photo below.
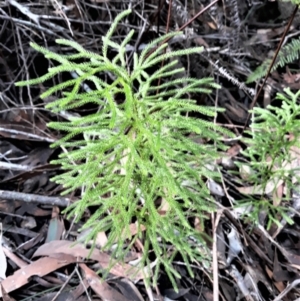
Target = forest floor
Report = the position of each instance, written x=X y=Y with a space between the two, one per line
x=36 y=261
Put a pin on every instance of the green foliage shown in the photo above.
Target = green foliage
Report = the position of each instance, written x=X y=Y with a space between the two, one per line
x=133 y=157
x=296 y=2
x=273 y=152
x=288 y=54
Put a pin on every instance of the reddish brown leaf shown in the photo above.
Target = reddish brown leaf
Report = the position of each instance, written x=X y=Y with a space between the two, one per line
x=41 y=267
x=79 y=250
x=100 y=287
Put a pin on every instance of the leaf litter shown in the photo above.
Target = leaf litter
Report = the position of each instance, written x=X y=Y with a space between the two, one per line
x=37 y=251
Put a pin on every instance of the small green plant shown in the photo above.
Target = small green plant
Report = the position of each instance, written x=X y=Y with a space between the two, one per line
x=274 y=140
x=287 y=54
x=273 y=154
x=133 y=158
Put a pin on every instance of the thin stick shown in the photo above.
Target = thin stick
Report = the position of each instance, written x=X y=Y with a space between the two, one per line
x=34 y=198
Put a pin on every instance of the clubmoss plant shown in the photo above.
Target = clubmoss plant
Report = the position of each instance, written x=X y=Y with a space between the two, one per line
x=134 y=158
x=287 y=54
x=273 y=154
x=273 y=146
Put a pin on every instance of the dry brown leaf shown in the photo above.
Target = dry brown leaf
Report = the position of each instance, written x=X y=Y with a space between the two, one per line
x=14 y=258
x=100 y=240
x=134 y=229
x=5 y=295
x=277 y=195
x=41 y=267
x=292 y=80
x=234 y=150
x=279 y=285
x=293 y=259
x=129 y=290
x=259 y=189
x=100 y=287
x=79 y=250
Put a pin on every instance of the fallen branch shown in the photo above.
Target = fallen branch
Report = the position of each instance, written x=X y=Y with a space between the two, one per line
x=34 y=198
